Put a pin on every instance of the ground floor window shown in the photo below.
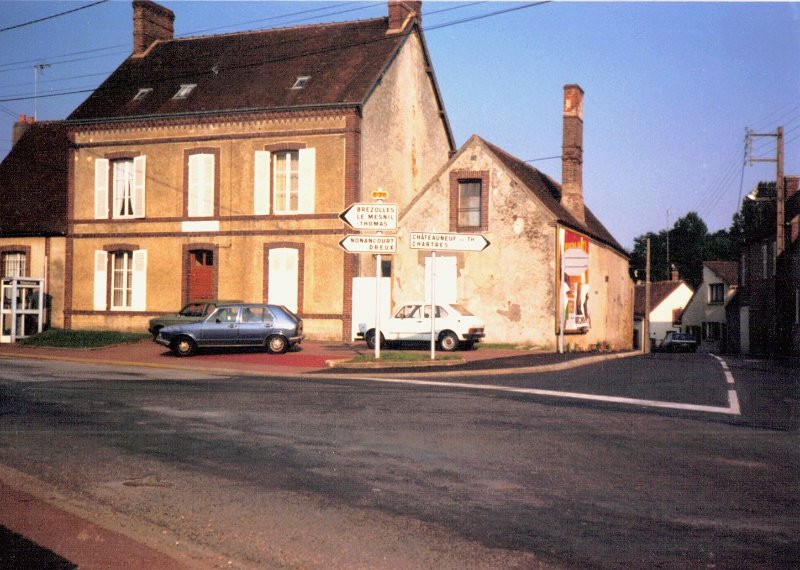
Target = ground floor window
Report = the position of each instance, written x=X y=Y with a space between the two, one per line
x=15 y=264
x=120 y=280
x=713 y=331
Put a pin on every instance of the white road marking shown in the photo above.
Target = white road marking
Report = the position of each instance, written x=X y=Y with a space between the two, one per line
x=732 y=409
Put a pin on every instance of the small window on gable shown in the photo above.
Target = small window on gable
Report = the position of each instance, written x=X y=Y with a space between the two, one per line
x=142 y=93
x=301 y=81
x=184 y=91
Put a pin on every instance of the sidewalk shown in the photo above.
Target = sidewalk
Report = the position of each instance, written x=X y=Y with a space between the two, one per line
x=311 y=357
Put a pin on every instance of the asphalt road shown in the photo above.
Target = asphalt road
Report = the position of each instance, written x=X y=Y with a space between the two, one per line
x=332 y=472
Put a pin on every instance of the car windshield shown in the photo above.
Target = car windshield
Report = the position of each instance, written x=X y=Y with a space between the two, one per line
x=193 y=310
x=408 y=312
x=463 y=310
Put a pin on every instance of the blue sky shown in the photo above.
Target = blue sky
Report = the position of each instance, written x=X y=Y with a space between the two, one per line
x=670 y=87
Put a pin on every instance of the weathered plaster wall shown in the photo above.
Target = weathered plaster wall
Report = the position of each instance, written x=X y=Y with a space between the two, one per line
x=510 y=284
x=403 y=133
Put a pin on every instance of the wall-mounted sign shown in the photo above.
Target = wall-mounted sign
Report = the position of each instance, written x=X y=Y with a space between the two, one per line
x=448 y=241
x=369 y=244
x=370 y=216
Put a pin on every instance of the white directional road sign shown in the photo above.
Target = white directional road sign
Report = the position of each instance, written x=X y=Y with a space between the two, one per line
x=369 y=244
x=370 y=216
x=448 y=242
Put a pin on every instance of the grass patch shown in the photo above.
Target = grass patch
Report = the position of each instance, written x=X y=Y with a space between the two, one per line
x=65 y=338
x=402 y=356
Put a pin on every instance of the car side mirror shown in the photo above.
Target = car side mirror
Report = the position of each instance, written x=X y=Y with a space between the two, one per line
x=219 y=321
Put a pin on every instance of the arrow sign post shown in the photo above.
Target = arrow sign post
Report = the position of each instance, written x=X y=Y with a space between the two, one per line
x=448 y=241
x=369 y=244
x=376 y=217
x=443 y=242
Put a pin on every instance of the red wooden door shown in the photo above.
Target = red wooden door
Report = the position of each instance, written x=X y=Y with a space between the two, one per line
x=201 y=275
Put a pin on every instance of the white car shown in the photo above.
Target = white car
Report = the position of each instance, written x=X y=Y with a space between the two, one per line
x=454 y=326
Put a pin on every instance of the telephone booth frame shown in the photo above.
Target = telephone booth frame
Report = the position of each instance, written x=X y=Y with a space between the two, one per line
x=21 y=307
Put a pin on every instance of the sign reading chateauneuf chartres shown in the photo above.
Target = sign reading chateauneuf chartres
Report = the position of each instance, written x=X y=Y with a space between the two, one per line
x=375 y=217
x=448 y=241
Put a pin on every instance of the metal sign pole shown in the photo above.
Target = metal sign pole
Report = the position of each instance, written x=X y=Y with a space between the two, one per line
x=378 y=276
x=433 y=305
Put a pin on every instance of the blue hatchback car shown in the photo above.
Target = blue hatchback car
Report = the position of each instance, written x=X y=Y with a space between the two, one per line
x=273 y=327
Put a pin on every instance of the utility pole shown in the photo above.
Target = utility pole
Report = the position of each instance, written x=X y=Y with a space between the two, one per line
x=668 y=271
x=780 y=184
x=646 y=327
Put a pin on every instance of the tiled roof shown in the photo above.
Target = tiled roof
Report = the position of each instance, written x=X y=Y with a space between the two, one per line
x=728 y=271
x=659 y=291
x=33 y=182
x=549 y=193
x=249 y=71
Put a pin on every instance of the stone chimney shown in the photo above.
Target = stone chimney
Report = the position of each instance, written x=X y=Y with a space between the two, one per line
x=20 y=128
x=401 y=12
x=572 y=153
x=151 y=22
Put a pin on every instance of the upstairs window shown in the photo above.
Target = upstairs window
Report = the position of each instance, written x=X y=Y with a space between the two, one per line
x=293 y=181
x=716 y=293
x=470 y=198
x=184 y=91
x=119 y=186
x=142 y=93
x=301 y=81
x=201 y=183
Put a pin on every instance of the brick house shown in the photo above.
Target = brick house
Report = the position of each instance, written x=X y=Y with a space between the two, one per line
x=33 y=216
x=217 y=166
x=517 y=285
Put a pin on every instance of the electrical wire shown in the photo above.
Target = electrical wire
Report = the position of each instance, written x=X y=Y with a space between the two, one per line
x=16 y=26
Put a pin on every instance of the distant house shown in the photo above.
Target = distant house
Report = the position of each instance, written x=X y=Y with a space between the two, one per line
x=518 y=285
x=668 y=300
x=704 y=316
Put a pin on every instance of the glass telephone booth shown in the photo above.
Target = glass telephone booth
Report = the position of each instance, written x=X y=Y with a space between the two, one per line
x=22 y=312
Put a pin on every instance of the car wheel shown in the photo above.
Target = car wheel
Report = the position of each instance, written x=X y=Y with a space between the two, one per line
x=183 y=346
x=370 y=338
x=448 y=342
x=276 y=344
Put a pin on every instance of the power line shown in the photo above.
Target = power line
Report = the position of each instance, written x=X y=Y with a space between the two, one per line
x=319 y=51
x=16 y=26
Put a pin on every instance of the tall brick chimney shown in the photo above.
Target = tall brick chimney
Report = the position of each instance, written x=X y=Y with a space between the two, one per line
x=20 y=128
x=151 y=22
x=401 y=12
x=572 y=153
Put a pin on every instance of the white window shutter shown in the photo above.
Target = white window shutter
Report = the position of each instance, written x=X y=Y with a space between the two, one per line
x=139 y=173
x=201 y=185
x=307 y=179
x=283 y=277
x=100 y=279
x=261 y=183
x=101 y=189
x=139 y=280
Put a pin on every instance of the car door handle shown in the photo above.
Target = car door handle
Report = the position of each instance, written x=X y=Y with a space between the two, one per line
x=231 y=326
